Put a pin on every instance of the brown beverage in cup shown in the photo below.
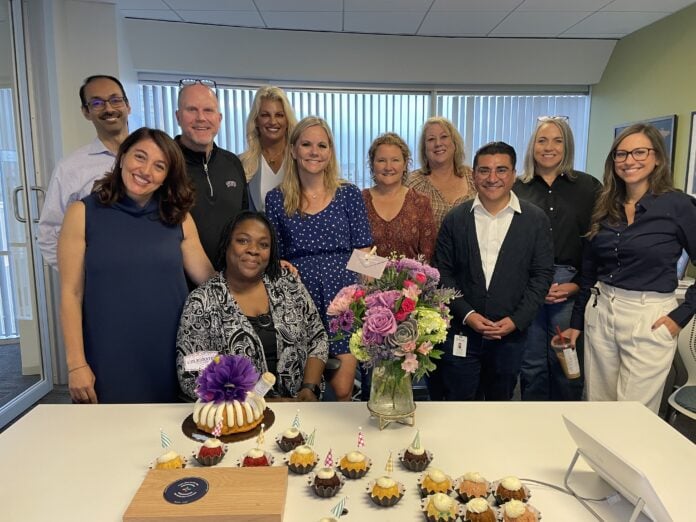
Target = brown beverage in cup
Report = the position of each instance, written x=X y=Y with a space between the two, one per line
x=567 y=356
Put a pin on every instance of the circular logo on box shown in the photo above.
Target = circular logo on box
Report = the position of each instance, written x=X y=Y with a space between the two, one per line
x=186 y=490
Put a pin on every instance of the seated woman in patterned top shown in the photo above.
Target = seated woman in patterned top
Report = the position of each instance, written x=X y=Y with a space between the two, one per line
x=255 y=308
x=401 y=219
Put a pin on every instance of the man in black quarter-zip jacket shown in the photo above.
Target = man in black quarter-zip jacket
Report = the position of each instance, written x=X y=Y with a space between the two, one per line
x=221 y=188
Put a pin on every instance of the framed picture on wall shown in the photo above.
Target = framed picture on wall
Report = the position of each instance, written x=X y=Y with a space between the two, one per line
x=690 y=187
x=667 y=125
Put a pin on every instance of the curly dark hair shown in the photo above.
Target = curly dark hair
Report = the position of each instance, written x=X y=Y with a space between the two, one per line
x=273 y=269
x=176 y=195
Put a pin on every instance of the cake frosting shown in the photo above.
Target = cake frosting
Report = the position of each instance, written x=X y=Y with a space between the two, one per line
x=511 y=483
x=473 y=476
x=515 y=508
x=236 y=416
x=169 y=460
x=355 y=457
x=441 y=507
x=436 y=475
x=212 y=443
x=385 y=482
x=255 y=453
x=325 y=473
x=477 y=505
x=170 y=455
x=415 y=451
x=291 y=433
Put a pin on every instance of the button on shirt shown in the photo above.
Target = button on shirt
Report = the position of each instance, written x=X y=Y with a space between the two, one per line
x=643 y=256
x=568 y=203
x=491 y=231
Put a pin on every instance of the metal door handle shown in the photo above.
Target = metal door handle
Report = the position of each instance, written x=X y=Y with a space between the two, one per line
x=41 y=191
x=15 y=204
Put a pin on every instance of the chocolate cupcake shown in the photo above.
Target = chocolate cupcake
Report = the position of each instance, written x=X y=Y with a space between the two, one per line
x=478 y=510
x=325 y=482
x=510 y=488
x=415 y=459
x=290 y=439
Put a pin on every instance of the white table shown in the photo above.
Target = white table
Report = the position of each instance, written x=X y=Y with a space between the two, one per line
x=81 y=462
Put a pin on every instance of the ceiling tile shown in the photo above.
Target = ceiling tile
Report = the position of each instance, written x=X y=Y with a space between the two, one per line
x=382 y=22
x=151 y=14
x=460 y=23
x=563 y=5
x=386 y=5
x=213 y=5
x=300 y=5
x=540 y=23
x=598 y=36
x=310 y=21
x=141 y=4
x=233 y=18
x=648 y=5
x=614 y=23
x=475 y=5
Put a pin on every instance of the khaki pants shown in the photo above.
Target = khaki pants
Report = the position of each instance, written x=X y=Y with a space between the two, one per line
x=625 y=360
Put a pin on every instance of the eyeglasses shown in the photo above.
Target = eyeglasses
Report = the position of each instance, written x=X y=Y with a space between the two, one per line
x=193 y=81
x=500 y=172
x=552 y=118
x=97 y=104
x=638 y=154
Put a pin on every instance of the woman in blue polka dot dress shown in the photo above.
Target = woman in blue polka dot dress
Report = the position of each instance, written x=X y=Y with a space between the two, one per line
x=319 y=220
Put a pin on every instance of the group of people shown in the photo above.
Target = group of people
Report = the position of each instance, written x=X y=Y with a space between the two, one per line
x=262 y=242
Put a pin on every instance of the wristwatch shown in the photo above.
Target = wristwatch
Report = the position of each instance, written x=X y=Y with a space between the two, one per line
x=314 y=388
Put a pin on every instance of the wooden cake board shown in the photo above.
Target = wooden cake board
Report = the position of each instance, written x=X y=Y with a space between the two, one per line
x=234 y=495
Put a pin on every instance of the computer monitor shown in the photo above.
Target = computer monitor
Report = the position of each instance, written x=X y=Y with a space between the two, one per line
x=628 y=480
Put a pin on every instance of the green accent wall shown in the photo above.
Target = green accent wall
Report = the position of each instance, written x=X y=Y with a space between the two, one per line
x=651 y=73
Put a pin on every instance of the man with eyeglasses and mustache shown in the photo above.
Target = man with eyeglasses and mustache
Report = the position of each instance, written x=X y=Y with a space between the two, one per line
x=104 y=103
x=496 y=250
x=217 y=174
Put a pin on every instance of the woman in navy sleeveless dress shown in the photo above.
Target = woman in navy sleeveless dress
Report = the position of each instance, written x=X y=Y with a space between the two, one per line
x=123 y=255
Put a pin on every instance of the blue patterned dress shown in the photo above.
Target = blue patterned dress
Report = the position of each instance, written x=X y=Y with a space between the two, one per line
x=320 y=244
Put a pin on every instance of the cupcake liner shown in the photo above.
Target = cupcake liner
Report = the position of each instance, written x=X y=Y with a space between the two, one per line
x=325 y=491
x=466 y=498
x=501 y=500
x=355 y=474
x=458 y=513
x=415 y=465
x=425 y=492
x=501 y=511
x=385 y=501
x=287 y=445
x=269 y=457
x=301 y=469
x=210 y=460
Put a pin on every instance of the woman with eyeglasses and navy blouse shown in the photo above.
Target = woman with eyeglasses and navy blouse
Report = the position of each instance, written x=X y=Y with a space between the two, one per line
x=627 y=304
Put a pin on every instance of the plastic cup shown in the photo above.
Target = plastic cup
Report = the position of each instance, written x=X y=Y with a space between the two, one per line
x=567 y=356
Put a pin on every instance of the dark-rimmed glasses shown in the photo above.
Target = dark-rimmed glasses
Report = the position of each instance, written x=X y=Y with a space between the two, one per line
x=97 y=104
x=639 y=154
x=193 y=81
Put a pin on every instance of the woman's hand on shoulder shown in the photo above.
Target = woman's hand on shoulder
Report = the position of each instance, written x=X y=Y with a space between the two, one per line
x=81 y=385
x=288 y=265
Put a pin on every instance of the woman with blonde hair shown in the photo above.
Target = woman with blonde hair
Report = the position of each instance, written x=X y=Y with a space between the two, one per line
x=401 y=219
x=268 y=128
x=319 y=219
x=567 y=196
x=443 y=177
x=639 y=227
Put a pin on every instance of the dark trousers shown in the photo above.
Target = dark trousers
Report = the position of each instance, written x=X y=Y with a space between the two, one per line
x=488 y=372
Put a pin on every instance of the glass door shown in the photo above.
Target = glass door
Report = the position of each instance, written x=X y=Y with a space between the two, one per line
x=25 y=374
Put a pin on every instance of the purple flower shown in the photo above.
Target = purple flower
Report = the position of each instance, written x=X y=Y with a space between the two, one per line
x=345 y=320
x=386 y=298
x=379 y=321
x=227 y=378
x=334 y=326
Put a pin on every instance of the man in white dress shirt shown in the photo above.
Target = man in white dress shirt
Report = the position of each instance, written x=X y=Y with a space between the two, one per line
x=497 y=251
x=105 y=104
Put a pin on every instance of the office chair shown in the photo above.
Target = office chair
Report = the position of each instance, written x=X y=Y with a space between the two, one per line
x=683 y=400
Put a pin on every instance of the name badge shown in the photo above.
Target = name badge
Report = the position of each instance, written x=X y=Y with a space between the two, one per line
x=460 y=342
x=195 y=362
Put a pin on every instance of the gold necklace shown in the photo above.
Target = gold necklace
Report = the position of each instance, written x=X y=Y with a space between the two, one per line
x=272 y=160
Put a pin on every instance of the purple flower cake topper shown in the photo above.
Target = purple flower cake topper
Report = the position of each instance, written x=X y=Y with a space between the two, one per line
x=227 y=378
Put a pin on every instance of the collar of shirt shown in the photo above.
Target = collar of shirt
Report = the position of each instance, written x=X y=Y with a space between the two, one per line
x=97 y=147
x=513 y=204
x=564 y=176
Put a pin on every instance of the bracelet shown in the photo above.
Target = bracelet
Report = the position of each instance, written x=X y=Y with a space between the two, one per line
x=83 y=366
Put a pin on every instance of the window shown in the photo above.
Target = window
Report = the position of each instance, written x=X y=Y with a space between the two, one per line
x=357 y=117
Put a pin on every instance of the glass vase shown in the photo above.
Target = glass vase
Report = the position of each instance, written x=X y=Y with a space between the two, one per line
x=391 y=394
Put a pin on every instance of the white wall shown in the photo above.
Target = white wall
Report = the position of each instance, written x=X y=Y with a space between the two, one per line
x=258 y=54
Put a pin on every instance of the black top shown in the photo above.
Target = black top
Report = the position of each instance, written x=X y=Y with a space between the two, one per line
x=643 y=256
x=522 y=274
x=263 y=326
x=568 y=203
x=221 y=193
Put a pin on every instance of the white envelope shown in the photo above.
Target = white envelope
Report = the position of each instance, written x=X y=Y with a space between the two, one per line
x=367 y=264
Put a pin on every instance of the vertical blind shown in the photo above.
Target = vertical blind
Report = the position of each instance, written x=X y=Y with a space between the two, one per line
x=356 y=118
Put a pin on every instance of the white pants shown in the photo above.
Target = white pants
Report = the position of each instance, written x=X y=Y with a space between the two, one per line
x=625 y=360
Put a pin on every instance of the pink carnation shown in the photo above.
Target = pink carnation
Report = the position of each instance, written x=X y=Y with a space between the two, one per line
x=410 y=364
x=425 y=347
x=409 y=346
x=342 y=301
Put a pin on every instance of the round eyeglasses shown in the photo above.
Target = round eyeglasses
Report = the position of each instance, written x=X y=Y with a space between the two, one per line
x=638 y=154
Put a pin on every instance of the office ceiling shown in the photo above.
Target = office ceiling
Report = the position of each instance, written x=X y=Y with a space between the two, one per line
x=612 y=19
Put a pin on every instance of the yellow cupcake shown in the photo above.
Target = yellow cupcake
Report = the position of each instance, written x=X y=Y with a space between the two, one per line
x=441 y=507
x=170 y=460
x=302 y=456
x=435 y=481
x=385 y=487
x=354 y=461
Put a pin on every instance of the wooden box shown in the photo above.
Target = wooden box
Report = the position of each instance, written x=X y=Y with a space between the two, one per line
x=234 y=495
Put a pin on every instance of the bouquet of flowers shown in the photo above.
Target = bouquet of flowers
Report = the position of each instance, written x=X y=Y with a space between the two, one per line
x=394 y=321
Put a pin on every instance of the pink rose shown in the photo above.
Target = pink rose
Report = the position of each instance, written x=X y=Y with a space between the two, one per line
x=420 y=277
x=386 y=298
x=410 y=364
x=425 y=347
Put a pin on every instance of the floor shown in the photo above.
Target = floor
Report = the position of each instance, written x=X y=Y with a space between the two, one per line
x=12 y=382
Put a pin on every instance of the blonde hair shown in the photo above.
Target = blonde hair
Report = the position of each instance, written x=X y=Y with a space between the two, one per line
x=291 y=186
x=460 y=169
x=566 y=164
x=613 y=195
x=389 y=138
x=250 y=158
